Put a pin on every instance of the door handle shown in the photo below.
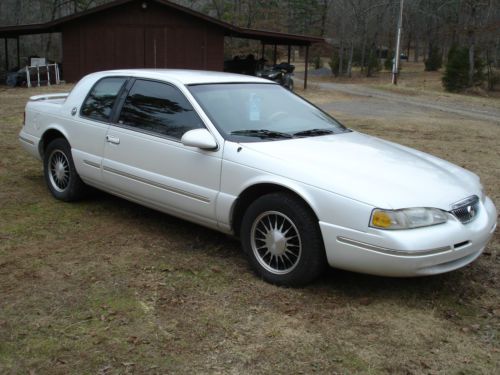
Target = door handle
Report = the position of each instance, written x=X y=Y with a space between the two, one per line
x=114 y=140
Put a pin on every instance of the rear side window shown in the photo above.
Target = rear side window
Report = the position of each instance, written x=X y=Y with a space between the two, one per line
x=100 y=101
x=159 y=108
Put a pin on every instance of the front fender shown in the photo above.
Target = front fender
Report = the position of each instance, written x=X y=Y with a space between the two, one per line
x=327 y=206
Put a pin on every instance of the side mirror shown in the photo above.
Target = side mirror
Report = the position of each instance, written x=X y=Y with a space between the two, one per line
x=200 y=138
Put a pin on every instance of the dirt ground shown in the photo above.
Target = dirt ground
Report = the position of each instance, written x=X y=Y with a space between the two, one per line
x=105 y=286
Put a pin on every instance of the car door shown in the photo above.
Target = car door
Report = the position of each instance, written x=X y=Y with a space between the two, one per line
x=89 y=126
x=145 y=160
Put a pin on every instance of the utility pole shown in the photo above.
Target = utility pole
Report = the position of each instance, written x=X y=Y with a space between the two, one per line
x=395 y=63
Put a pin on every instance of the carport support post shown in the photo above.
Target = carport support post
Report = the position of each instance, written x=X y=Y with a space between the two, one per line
x=306 y=67
x=263 y=50
x=6 y=49
x=18 y=53
x=275 y=53
x=289 y=52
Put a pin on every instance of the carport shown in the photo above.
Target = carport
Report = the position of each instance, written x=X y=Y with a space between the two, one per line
x=15 y=32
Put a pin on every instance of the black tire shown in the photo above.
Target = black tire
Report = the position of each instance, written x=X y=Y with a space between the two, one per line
x=289 y=261
x=60 y=173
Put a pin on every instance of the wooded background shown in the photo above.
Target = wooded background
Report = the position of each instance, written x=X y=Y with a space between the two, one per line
x=356 y=29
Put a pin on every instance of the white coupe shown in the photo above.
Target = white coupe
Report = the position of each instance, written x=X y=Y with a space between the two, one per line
x=244 y=156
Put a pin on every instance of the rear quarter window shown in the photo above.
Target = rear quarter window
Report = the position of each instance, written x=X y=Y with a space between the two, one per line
x=100 y=101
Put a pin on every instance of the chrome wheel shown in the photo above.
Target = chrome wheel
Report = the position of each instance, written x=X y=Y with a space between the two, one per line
x=276 y=242
x=59 y=170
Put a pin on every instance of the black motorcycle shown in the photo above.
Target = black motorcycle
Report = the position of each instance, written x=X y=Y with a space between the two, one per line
x=280 y=73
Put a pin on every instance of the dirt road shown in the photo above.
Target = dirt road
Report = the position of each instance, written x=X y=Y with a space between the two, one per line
x=375 y=102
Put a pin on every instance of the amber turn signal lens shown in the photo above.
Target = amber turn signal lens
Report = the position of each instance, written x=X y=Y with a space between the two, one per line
x=381 y=219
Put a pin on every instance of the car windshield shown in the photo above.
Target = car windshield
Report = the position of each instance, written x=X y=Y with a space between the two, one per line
x=249 y=112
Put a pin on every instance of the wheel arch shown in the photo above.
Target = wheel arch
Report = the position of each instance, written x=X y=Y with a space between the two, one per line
x=257 y=190
x=48 y=136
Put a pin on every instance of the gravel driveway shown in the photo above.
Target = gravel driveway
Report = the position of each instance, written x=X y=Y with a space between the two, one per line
x=373 y=102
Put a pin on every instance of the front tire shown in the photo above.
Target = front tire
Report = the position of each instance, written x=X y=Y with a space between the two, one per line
x=60 y=173
x=281 y=236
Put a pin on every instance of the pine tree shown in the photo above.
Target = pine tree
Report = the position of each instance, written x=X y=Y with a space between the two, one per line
x=389 y=61
x=456 y=76
x=435 y=60
x=335 y=63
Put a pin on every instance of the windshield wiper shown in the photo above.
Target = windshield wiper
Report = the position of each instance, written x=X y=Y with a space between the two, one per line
x=261 y=133
x=313 y=132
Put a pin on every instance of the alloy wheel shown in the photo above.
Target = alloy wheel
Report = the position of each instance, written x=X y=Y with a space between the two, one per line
x=59 y=170
x=276 y=242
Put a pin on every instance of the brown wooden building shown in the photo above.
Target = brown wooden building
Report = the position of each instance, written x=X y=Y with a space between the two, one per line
x=145 y=34
x=138 y=34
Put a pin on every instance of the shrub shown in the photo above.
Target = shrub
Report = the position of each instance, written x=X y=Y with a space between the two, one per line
x=372 y=64
x=493 y=81
x=316 y=61
x=456 y=76
x=492 y=78
x=434 y=61
x=335 y=63
x=389 y=61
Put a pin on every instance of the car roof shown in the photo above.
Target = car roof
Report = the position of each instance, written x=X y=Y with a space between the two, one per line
x=185 y=76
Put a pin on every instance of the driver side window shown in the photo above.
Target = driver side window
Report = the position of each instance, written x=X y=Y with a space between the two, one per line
x=158 y=108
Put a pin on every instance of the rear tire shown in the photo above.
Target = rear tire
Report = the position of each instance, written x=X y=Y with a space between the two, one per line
x=281 y=237
x=60 y=173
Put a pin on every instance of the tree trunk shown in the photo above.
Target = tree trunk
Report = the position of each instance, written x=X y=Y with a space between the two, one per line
x=409 y=45
x=363 y=51
x=341 y=49
x=371 y=54
x=472 y=41
x=349 y=64
x=341 y=59
x=471 y=58
x=48 y=46
x=250 y=14
x=416 y=51
x=289 y=21
x=369 y=67
x=235 y=13
x=495 y=52
x=217 y=7
x=489 y=71
x=324 y=17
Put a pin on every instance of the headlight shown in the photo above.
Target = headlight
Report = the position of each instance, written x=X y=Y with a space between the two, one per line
x=407 y=218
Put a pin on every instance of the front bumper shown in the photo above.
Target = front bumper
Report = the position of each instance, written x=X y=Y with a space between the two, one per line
x=414 y=252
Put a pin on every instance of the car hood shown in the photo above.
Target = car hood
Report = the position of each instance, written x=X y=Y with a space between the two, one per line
x=365 y=168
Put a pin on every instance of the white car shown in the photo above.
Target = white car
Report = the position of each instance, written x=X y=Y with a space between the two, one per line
x=244 y=156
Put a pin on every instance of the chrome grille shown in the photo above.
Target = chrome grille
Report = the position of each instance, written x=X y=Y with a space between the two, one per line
x=466 y=210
